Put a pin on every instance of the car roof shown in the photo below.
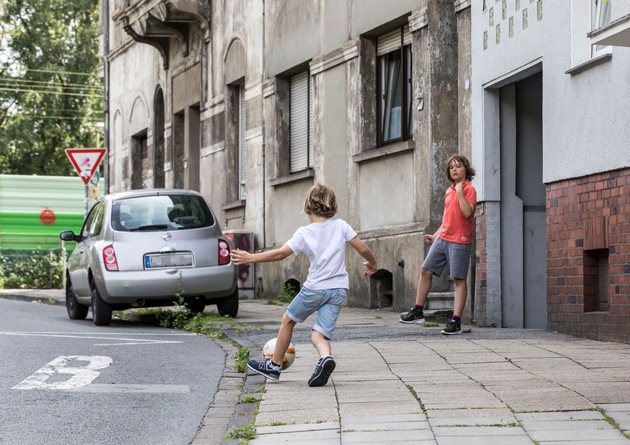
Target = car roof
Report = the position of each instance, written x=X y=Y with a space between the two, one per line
x=151 y=192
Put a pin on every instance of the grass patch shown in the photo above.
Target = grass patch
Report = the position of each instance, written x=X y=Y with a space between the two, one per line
x=613 y=422
x=431 y=324
x=249 y=399
x=286 y=295
x=245 y=433
x=241 y=358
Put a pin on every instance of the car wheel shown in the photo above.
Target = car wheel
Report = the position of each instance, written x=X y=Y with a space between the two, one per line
x=229 y=305
x=76 y=311
x=101 y=311
x=196 y=306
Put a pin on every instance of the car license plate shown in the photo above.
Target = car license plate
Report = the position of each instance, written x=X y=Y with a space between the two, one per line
x=154 y=261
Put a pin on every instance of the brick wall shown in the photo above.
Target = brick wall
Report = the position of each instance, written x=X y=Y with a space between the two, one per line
x=487 y=265
x=588 y=225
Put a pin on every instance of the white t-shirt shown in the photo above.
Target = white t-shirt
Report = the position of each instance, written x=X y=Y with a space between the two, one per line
x=325 y=245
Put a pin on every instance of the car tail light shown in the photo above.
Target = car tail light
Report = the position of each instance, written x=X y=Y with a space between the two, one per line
x=224 y=252
x=109 y=258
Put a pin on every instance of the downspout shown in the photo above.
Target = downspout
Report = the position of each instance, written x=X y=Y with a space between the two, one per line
x=105 y=56
x=264 y=143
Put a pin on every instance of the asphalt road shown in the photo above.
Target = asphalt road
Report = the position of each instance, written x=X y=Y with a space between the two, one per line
x=69 y=382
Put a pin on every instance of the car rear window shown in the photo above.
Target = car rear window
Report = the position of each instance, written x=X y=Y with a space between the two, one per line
x=161 y=212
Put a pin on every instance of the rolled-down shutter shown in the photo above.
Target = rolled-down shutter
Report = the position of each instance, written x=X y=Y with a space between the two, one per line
x=299 y=122
x=393 y=40
x=241 y=143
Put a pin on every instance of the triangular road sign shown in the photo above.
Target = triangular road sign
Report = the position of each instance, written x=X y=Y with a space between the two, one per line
x=85 y=161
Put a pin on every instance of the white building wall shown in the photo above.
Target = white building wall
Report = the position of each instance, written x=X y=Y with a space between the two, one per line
x=585 y=114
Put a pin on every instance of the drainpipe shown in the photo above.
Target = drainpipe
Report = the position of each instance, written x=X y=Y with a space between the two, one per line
x=105 y=55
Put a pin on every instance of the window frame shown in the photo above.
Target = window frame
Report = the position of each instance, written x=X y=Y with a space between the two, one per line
x=596 y=21
x=405 y=52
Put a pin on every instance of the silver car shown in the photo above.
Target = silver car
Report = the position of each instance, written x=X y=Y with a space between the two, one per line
x=148 y=248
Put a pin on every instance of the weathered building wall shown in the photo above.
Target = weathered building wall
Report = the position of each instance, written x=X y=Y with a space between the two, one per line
x=391 y=193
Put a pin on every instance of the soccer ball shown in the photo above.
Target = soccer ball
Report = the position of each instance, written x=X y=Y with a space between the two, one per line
x=289 y=356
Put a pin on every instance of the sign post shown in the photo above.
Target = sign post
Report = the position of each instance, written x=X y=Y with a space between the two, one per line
x=85 y=162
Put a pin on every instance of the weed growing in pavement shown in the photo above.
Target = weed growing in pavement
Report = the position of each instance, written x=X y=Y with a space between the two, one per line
x=613 y=422
x=178 y=317
x=285 y=296
x=431 y=324
x=244 y=432
x=51 y=301
x=249 y=399
x=241 y=358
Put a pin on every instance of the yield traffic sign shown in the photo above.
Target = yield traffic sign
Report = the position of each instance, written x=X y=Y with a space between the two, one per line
x=85 y=161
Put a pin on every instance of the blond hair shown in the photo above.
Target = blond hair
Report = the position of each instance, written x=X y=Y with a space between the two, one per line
x=320 y=201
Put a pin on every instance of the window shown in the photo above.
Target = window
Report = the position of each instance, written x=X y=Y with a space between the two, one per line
x=241 y=143
x=600 y=17
x=94 y=222
x=394 y=86
x=587 y=16
x=301 y=122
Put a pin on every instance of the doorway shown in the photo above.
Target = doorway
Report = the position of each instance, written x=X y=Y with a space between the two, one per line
x=523 y=211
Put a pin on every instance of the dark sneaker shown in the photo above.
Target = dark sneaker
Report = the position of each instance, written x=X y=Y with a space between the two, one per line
x=264 y=367
x=413 y=316
x=325 y=367
x=452 y=328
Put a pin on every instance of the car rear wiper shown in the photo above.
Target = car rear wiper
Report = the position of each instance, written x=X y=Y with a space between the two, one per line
x=150 y=227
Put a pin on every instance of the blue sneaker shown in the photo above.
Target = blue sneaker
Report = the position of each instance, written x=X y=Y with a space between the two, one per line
x=265 y=367
x=325 y=367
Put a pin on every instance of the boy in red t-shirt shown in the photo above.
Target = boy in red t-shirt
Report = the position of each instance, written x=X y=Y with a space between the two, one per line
x=450 y=243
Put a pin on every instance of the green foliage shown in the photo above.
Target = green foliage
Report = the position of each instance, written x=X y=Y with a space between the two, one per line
x=241 y=359
x=245 y=432
x=38 y=269
x=286 y=295
x=249 y=399
x=179 y=316
x=50 y=93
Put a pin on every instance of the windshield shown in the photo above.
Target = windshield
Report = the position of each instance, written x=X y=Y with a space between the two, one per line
x=163 y=212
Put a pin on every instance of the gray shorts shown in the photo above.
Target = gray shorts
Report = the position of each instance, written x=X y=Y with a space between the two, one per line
x=327 y=303
x=455 y=254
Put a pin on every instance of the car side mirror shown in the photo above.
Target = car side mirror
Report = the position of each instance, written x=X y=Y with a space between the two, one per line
x=68 y=235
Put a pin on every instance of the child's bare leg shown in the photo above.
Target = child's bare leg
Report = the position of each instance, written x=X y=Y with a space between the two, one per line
x=321 y=343
x=284 y=338
x=424 y=286
x=461 y=291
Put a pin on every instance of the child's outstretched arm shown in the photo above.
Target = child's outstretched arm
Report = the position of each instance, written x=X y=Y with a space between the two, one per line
x=242 y=257
x=358 y=245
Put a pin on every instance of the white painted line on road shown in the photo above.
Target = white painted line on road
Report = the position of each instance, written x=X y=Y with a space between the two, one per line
x=125 y=341
x=148 y=389
x=80 y=375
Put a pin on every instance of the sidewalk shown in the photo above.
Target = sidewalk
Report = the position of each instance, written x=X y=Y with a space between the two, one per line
x=492 y=386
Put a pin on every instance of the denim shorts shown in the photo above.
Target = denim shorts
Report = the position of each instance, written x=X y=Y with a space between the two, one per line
x=457 y=255
x=327 y=303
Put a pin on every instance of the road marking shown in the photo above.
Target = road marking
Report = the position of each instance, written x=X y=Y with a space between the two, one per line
x=80 y=375
x=145 y=389
x=119 y=341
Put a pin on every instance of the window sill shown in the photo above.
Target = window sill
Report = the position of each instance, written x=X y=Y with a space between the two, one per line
x=293 y=177
x=589 y=64
x=375 y=153
x=235 y=205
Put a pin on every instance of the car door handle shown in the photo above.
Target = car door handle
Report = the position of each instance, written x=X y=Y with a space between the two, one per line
x=170 y=271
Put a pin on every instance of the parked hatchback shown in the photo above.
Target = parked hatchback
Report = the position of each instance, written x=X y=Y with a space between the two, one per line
x=148 y=248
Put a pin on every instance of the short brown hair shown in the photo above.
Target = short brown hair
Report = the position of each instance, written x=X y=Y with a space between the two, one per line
x=320 y=201
x=470 y=171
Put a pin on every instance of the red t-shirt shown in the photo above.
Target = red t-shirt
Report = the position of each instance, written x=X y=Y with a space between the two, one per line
x=456 y=228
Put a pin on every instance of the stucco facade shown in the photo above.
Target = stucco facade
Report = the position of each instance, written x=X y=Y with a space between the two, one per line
x=549 y=138
x=200 y=96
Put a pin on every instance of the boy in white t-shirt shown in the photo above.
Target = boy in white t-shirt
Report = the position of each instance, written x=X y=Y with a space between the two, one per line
x=324 y=241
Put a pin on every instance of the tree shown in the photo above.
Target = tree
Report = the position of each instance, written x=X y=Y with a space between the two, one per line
x=50 y=94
